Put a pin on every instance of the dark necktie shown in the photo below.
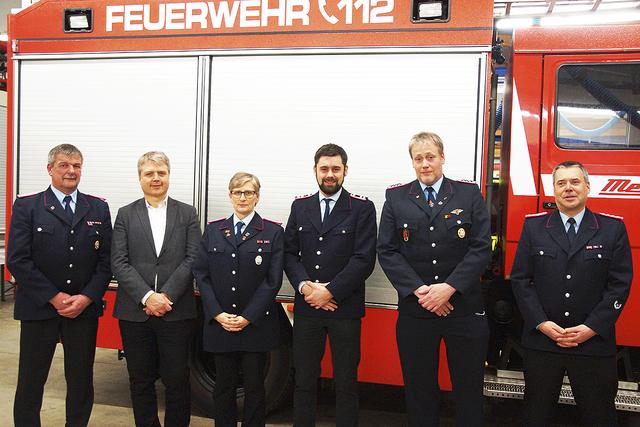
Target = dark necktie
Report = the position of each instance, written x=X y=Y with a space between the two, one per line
x=571 y=232
x=239 y=226
x=431 y=196
x=327 y=211
x=67 y=208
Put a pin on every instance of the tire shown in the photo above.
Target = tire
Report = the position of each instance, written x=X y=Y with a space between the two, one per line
x=278 y=380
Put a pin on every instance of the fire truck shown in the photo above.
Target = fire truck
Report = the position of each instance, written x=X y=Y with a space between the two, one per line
x=258 y=85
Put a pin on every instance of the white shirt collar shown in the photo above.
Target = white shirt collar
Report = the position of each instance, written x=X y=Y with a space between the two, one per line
x=436 y=185
x=578 y=217
x=333 y=197
x=161 y=205
x=246 y=220
x=60 y=195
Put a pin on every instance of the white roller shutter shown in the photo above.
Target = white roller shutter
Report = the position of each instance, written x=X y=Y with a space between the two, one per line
x=113 y=110
x=269 y=114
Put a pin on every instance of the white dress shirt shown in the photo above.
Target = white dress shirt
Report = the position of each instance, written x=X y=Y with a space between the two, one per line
x=60 y=196
x=158 y=221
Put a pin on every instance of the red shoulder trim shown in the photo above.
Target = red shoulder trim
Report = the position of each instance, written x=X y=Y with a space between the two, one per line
x=216 y=220
x=398 y=185
x=104 y=199
x=273 y=221
x=533 y=215
x=359 y=197
x=22 y=196
x=466 y=181
x=304 y=196
x=611 y=215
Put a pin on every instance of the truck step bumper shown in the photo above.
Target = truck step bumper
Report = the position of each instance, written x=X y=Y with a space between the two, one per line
x=509 y=384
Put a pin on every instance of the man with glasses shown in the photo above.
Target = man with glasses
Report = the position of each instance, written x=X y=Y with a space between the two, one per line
x=330 y=242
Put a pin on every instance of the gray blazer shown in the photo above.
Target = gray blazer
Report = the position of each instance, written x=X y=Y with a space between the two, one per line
x=134 y=262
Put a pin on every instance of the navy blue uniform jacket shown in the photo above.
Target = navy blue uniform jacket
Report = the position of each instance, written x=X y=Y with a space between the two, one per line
x=240 y=278
x=449 y=243
x=47 y=254
x=342 y=251
x=586 y=283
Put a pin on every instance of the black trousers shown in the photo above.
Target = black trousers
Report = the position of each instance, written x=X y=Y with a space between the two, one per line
x=309 y=340
x=466 y=339
x=157 y=348
x=594 y=383
x=228 y=368
x=38 y=339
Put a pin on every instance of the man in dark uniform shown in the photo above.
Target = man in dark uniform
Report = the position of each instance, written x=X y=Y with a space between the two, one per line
x=433 y=245
x=58 y=252
x=330 y=242
x=571 y=278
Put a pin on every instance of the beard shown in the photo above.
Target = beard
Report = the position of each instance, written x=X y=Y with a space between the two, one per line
x=330 y=188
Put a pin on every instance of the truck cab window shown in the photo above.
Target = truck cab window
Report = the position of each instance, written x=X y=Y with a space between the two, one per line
x=598 y=107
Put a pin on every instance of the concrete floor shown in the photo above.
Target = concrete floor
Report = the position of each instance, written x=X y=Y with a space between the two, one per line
x=380 y=406
x=112 y=405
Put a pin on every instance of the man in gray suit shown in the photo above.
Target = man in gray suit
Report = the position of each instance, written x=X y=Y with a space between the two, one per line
x=155 y=241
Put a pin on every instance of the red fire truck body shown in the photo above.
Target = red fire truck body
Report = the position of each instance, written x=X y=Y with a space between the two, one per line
x=252 y=57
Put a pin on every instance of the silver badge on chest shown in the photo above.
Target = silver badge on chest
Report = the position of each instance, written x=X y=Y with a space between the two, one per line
x=258 y=259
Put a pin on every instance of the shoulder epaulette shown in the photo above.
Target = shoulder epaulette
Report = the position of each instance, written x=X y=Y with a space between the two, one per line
x=611 y=216
x=22 y=196
x=533 y=215
x=398 y=185
x=304 y=196
x=466 y=181
x=104 y=199
x=359 y=197
x=216 y=220
x=273 y=221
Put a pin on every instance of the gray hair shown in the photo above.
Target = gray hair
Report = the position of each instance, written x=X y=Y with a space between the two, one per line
x=426 y=138
x=571 y=164
x=241 y=178
x=157 y=157
x=64 y=149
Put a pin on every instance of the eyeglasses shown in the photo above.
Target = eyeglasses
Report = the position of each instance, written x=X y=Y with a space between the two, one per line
x=249 y=194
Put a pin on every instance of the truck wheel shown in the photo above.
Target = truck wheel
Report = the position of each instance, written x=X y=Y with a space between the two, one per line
x=278 y=377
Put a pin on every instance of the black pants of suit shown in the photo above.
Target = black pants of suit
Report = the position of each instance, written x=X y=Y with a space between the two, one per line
x=594 y=383
x=158 y=348
x=466 y=339
x=309 y=340
x=38 y=339
x=228 y=367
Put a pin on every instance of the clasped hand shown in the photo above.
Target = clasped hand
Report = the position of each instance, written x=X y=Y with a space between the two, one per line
x=435 y=298
x=70 y=306
x=566 y=337
x=158 y=304
x=318 y=296
x=231 y=322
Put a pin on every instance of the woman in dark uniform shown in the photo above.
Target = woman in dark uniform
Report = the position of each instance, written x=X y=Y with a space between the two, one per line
x=239 y=273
